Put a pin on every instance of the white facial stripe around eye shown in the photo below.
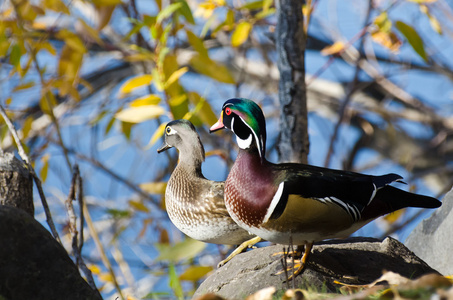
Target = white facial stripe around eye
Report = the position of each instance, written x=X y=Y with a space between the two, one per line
x=243 y=144
x=256 y=137
x=170 y=131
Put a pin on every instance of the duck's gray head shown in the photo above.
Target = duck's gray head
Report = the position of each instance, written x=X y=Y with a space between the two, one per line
x=182 y=135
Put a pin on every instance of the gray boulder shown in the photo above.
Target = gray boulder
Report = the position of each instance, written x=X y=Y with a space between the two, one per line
x=432 y=239
x=351 y=261
x=33 y=265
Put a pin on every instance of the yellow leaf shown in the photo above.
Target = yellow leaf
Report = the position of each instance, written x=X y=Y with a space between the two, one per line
x=104 y=14
x=205 y=113
x=241 y=33
x=39 y=25
x=383 y=23
x=140 y=113
x=47 y=103
x=45 y=167
x=211 y=69
x=435 y=25
x=195 y=273
x=72 y=40
x=151 y=99
x=163 y=237
x=138 y=205
x=186 y=249
x=388 y=40
x=136 y=82
x=95 y=269
x=155 y=188
x=56 y=5
x=335 y=48
x=26 y=127
x=423 y=1
x=24 y=86
x=175 y=101
x=68 y=66
x=43 y=45
x=90 y=33
x=175 y=76
x=156 y=135
x=394 y=216
x=106 y=2
x=106 y=277
x=196 y=43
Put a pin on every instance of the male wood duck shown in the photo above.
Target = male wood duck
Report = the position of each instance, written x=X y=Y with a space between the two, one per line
x=195 y=204
x=299 y=204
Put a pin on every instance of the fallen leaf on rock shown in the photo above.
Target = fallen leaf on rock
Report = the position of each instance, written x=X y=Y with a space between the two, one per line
x=264 y=294
x=210 y=296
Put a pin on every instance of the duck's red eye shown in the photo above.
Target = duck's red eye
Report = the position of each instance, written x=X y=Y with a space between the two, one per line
x=228 y=111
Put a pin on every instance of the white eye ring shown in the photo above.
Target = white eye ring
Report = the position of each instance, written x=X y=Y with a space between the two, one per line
x=170 y=131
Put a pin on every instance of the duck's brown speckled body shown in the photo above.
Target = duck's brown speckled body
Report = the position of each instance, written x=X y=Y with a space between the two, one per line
x=195 y=204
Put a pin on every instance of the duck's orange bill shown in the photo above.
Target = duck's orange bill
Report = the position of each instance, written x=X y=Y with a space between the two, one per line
x=218 y=125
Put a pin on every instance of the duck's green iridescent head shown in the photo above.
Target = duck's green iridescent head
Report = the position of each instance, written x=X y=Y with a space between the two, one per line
x=246 y=119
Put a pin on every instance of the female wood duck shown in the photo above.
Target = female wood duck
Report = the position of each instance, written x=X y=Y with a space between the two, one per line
x=195 y=204
x=297 y=202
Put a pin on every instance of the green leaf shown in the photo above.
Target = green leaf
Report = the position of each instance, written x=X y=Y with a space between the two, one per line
x=126 y=128
x=175 y=284
x=187 y=249
x=168 y=11
x=27 y=126
x=413 y=38
x=15 y=55
x=140 y=114
x=195 y=273
x=205 y=112
x=211 y=69
x=109 y=125
x=186 y=12
x=241 y=33
x=196 y=43
x=253 y=5
x=116 y=213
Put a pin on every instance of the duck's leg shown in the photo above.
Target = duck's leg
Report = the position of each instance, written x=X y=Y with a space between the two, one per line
x=239 y=249
x=303 y=261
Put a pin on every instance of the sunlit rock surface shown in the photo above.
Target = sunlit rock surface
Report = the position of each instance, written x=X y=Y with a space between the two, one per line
x=352 y=261
x=432 y=239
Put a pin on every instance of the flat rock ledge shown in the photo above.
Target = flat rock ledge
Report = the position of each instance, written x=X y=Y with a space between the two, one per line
x=351 y=261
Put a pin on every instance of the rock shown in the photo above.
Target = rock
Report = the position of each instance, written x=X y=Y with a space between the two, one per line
x=33 y=265
x=16 y=183
x=351 y=261
x=432 y=240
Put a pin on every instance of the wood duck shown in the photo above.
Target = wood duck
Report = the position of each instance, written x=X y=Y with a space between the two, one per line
x=299 y=204
x=195 y=204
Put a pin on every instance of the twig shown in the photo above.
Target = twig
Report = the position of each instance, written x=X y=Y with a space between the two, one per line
x=76 y=247
x=351 y=89
x=101 y=249
x=32 y=53
x=284 y=263
x=37 y=181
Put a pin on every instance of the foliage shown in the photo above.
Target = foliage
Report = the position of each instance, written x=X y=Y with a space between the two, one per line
x=94 y=82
